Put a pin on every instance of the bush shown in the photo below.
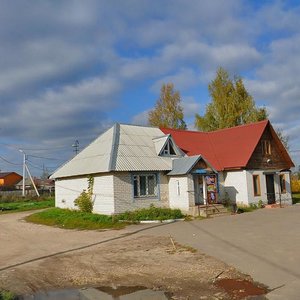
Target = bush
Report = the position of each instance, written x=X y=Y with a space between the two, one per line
x=295 y=186
x=260 y=204
x=151 y=213
x=84 y=202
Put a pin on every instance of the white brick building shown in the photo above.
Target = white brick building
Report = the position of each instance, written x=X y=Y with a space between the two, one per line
x=135 y=166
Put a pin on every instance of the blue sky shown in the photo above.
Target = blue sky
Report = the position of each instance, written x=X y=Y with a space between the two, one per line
x=70 y=69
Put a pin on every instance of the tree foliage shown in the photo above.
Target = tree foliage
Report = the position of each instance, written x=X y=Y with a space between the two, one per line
x=230 y=105
x=168 y=111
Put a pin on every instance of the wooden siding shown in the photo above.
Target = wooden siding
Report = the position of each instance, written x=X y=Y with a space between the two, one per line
x=10 y=179
x=259 y=158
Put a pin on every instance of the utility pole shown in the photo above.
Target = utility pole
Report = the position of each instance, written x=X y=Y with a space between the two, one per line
x=76 y=147
x=24 y=172
x=25 y=168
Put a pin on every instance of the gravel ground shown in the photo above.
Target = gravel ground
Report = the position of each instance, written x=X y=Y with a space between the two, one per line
x=34 y=258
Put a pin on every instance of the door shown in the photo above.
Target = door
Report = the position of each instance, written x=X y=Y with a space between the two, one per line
x=198 y=181
x=270 y=188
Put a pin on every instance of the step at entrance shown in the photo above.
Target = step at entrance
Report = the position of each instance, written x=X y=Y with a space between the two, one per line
x=215 y=210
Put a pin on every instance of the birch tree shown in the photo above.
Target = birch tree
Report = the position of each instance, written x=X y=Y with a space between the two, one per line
x=168 y=111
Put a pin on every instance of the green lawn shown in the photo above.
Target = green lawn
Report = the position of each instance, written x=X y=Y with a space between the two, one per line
x=9 y=207
x=73 y=219
x=296 y=198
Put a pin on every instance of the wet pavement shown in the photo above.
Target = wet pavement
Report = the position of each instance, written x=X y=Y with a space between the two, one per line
x=103 y=293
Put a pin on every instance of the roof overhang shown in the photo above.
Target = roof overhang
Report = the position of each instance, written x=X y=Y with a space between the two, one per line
x=184 y=165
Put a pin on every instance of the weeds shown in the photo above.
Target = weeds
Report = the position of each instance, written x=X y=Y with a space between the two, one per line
x=25 y=205
x=74 y=219
x=7 y=295
x=152 y=213
x=296 y=198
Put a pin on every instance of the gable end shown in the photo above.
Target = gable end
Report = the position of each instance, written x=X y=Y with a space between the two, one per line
x=269 y=153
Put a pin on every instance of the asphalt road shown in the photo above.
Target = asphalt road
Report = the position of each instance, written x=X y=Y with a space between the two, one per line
x=264 y=244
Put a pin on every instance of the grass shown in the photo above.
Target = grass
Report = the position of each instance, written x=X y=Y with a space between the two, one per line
x=73 y=219
x=25 y=205
x=152 y=213
x=7 y=295
x=246 y=208
x=296 y=198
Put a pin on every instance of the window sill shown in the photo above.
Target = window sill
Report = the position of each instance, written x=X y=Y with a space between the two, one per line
x=154 y=198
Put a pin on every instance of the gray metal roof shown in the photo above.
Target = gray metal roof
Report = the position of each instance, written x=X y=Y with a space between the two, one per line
x=120 y=148
x=183 y=165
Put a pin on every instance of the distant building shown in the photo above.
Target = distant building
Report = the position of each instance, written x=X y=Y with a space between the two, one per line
x=9 y=179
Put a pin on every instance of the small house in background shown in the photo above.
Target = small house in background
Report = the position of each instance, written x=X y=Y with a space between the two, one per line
x=43 y=185
x=9 y=179
x=136 y=166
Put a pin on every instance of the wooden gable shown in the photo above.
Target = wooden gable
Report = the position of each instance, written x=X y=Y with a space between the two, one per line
x=269 y=153
x=202 y=165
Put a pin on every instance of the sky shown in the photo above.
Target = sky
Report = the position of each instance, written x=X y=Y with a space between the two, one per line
x=70 y=69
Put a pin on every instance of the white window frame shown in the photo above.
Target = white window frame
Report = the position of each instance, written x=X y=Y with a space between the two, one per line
x=136 y=179
x=167 y=148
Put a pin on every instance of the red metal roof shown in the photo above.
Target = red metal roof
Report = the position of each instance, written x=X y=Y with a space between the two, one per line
x=228 y=148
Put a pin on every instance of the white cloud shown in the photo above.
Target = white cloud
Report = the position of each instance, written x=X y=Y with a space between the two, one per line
x=66 y=65
x=141 y=118
x=184 y=79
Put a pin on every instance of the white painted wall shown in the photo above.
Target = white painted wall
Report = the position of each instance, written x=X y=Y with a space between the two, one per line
x=104 y=194
x=179 y=193
x=286 y=198
x=235 y=185
x=67 y=190
x=263 y=187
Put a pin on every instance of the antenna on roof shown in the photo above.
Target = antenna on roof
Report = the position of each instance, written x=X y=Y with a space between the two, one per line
x=76 y=147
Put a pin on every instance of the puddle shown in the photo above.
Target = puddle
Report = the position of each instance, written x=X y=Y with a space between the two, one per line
x=103 y=293
x=240 y=289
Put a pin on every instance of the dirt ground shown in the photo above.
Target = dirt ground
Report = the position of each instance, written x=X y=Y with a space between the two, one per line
x=147 y=261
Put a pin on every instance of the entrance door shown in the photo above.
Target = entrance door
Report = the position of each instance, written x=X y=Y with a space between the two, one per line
x=198 y=181
x=270 y=188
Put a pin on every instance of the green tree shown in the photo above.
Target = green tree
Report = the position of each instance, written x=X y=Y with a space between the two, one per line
x=168 y=111
x=230 y=105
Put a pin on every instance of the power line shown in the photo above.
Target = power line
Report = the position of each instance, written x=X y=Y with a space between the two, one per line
x=39 y=167
x=9 y=162
x=47 y=158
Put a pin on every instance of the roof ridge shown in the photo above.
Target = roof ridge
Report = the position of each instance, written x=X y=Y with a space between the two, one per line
x=239 y=126
x=217 y=130
x=183 y=130
x=114 y=147
x=137 y=125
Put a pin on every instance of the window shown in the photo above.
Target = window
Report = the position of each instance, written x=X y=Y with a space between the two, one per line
x=282 y=183
x=266 y=147
x=256 y=185
x=169 y=149
x=145 y=185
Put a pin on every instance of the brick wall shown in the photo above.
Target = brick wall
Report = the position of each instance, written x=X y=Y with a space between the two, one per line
x=123 y=193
